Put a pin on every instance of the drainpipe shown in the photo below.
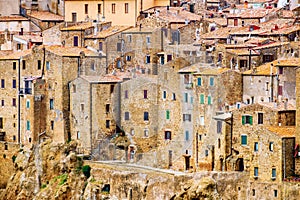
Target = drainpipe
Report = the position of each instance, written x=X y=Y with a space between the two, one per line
x=136 y=12
x=91 y=121
x=19 y=103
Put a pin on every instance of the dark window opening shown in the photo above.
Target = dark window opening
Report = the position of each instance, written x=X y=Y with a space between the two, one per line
x=260 y=118
x=146 y=116
x=107 y=108
x=167 y=135
x=39 y=64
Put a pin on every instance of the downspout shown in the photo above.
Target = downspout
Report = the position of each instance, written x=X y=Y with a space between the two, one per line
x=19 y=98
x=78 y=67
x=44 y=58
x=106 y=68
x=136 y=12
x=91 y=122
x=231 y=132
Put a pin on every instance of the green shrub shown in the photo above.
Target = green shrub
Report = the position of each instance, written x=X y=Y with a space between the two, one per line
x=43 y=186
x=63 y=178
x=86 y=170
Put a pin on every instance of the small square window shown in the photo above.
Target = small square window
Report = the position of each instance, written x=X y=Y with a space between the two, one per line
x=126 y=94
x=168 y=135
x=255 y=171
x=273 y=173
x=14 y=102
x=146 y=116
x=14 y=65
x=199 y=81
x=47 y=65
x=126 y=117
x=255 y=146
x=271 y=146
x=211 y=81
x=145 y=94
x=146 y=133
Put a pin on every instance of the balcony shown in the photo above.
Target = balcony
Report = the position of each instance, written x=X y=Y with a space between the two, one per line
x=25 y=91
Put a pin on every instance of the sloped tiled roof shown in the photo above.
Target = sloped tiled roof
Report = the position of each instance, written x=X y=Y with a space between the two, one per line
x=45 y=16
x=283 y=131
x=262 y=70
x=70 y=51
x=78 y=27
x=109 y=32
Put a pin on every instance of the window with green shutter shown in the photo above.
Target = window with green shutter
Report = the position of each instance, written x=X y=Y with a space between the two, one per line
x=247 y=119
x=209 y=100
x=201 y=98
x=244 y=139
x=28 y=125
x=199 y=81
x=168 y=114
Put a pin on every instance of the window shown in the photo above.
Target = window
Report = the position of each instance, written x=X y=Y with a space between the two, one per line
x=112 y=87
x=146 y=133
x=255 y=171
x=86 y=9
x=247 y=119
x=107 y=123
x=93 y=65
x=271 y=146
x=187 y=117
x=107 y=108
x=211 y=81
x=75 y=41
x=78 y=135
x=28 y=103
x=129 y=38
x=201 y=120
x=148 y=40
x=275 y=193
x=14 y=65
x=255 y=146
x=186 y=79
x=219 y=126
x=126 y=7
x=126 y=94
x=18 y=46
x=126 y=117
x=187 y=136
x=2 y=83
x=128 y=58
x=28 y=125
x=52 y=125
x=167 y=114
x=164 y=94
x=82 y=107
x=280 y=71
x=14 y=83
x=169 y=57
x=273 y=173
x=201 y=98
x=2 y=102
x=148 y=59
x=47 y=65
x=145 y=94
x=199 y=81
x=51 y=104
x=244 y=139
x=39 y=65
x=14 y=102
x=206 y=152
x=100 y=46
x=260 y=118
x=1 y=122
x=280 y=89
x=174 y=96
x=74 y=17
x=113 y=8
x=119 y=46
x=268 y=58
x=74 y=88
x=146 y=116
x=99 y=9
x=186 y=97
x=209 y=100
x=23 y=64
x=167 y=135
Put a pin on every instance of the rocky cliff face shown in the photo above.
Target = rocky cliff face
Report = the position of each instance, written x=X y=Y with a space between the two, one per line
x=51 y=171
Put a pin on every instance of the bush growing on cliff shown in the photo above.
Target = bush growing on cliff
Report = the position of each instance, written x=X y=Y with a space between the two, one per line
x=13 y=158
x=86 y=170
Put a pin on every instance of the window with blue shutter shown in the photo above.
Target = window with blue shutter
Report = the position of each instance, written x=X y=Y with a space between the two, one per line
x=255 y=171
x=187 y=135
x=273 y=173
x=211 y=81
x=27 y=104
x=186 y=97
x=146 y=116
x=244 y=139
x=199 y=81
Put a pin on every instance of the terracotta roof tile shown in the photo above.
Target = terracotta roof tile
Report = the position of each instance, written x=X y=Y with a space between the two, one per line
x=220 y=33
x=33 y=38
x=78 y=27
x=213 y=71
x=13 y=18
x=283 y=131
x=291 y=62
x=45 y=16
x=110 y=31
x=70 y=51
x=262 y=70
x=103 y=79
x=16 y=55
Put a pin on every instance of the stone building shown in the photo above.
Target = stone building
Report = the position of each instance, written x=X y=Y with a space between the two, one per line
x=39 y=103
x=53 y=6
x=9 y=7
x=93 y=112
x=262 y=142
x=260 y=84
x=215 y=90
x=119 y=13
x=44 y=19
